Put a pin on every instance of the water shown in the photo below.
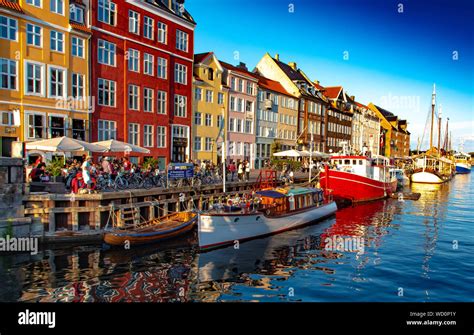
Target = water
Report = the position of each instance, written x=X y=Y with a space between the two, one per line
x=413 y=251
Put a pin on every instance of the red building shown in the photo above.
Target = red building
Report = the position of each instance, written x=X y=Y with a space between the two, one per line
x=141 y=76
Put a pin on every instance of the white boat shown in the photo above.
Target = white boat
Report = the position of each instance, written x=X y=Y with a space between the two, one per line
x=399 y=175
x=462 y=161
x=278 y=210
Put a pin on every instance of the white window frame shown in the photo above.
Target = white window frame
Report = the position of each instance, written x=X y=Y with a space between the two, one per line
x=161 y=102
x=180 y=73
x=182 y=40
x=65 y=81
x=197 y=140
x=133 y=93
x=55 y=9
x=27 y=124
x=109 y=49
x=78 y=87
x=9 y=61
x=32 y=3
x=162 y=36
x=164 y=66
x=161 y=142
x=180 y=108
x=107 y=7
x=150 y=98
x=8 y=26
x=107 y=91
x=148 y=142
x=42 y=85
x=208 y=117
x=133 y=22
x=148 y=27
x=110 y=131
x=34 y=34
x=208 y=144
x=73 y=13
x=79 y=44
x=134 y=133
x=57 y=41
x=133 y=60
x=10 y=121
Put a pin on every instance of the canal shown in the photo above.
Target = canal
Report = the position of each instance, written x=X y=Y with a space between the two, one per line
x=416 y=251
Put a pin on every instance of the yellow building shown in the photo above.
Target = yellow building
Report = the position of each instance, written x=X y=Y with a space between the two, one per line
x=209 y=106
x=44 y=62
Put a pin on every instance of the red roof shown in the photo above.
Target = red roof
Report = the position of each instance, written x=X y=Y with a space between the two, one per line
x=238 y=69
x=361 y=105
x=271 y=85
x=332 y=92
x=198 y=58
x=11 y=5
x=80 y=27
x=319 y=87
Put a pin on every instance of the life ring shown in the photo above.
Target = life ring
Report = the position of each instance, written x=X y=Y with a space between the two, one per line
x=291 y=197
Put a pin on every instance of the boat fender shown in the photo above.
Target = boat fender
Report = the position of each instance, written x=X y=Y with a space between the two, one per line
x=291 y=197
x=268 y=211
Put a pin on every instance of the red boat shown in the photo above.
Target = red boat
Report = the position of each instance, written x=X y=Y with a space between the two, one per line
x=359 y=178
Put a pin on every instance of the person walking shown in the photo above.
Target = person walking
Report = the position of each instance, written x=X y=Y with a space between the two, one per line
x=232 y=170
x=86 y=171
x=247 y=171
x=240 y=171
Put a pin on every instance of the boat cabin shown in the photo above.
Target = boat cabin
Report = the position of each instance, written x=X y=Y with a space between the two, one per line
x=281 y=201
x=375 y=167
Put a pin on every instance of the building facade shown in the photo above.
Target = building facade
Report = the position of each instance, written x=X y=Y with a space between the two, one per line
x=365 y=129
x=44 y=91
x=209 y=108
x=241 y=113
x=142 y=59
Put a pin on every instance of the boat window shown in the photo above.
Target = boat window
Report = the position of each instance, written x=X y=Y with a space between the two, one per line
x=354 y=161
x=360 y=162
x=347 y=161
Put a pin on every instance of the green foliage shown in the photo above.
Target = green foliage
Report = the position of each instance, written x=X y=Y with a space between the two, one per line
x=55 y=166
x=280 y=163
x=9 y=230
x=150 y=161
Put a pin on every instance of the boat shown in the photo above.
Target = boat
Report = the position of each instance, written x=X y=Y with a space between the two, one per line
x=433 y=166
x=273 y=211
x=462 y=161
x=399 y=174
x=155 y=230
x=359 y=178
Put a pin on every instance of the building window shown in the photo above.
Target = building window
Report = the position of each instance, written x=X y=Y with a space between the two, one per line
x=77 y=86
x=106 y=92
x=57 y=6
x=249 y=88
x=220 y=98
x=162 y=68
x=107 y=12
x=241 y=85
x=79 y=129
x=57 y=79
x=180 y=73
x=106 y=51
x=210 y=74
x=162 y=32
x=249 y=106
x=133 y=22
x=232 y=103
x=133 y=97
x=76 y=13
x=57 y=126
x=133 y=60
x=36 y=125
x=77 y=47
x=231 y=124
x=161 y=98
x=148 y=100
x=148 y=136
x=7 y=119
x=8 y=28
x=33 y=35
x=198 y=94
x=148 y=27
x=134 y=133
x=36 y=3
x=208 y=144
x=239 y=126
x=181 y=40
x=232 y=83
x=198 y=118
x=248 y=127
x=208 y=121
x=148 y=66
x=161 y=137
x=240 y=105
x=57 y=41
x=107 y=130
x=209 y=96
x=180 y=105
x=34 y=79
x=197 y=143
x=219 y=121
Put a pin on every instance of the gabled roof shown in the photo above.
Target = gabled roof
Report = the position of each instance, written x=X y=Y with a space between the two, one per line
x=290 y=73
x=384 y=112
x=238 y=69
x=80 y=26
x=163 y=4
x=11 y=5
x=332 y=92
x=198 y=58
x=271 y=85
x=361 y=105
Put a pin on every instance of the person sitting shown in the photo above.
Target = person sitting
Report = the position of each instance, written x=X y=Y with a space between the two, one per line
x=37 y=172
x=78 y=183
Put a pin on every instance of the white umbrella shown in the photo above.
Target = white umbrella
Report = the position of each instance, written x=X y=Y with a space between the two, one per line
x=64 y=144
x=316 y=154
x=291 y=153
x=118 y=146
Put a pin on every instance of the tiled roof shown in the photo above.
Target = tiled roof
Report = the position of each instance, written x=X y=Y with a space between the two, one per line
x=361 y=105
x=332 y=92
x=163 y=5
x=198 y=58
x=237 y=69
x=80 y=26
x=384 y=112
x=13 y=5
x=319 y=87
x=292 y=74
x=271 y=85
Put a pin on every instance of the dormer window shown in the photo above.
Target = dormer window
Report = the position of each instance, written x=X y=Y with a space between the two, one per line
x=76 y=13
x=210 y=74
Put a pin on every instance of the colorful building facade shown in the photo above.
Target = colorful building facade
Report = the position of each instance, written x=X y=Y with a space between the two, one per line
x=142 y=70
x=365 y=130
x=209 y=108
x=44 y=91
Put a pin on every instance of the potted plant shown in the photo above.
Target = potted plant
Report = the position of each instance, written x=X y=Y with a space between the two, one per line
x=54 y=168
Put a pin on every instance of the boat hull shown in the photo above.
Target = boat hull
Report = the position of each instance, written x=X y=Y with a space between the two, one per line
x=425 y=177
x=356 y=188
x=463 y=168
x=217 y=230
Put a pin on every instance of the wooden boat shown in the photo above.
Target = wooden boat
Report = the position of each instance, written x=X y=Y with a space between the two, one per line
x=152 y=231
x=359 y=178
x=278 y=210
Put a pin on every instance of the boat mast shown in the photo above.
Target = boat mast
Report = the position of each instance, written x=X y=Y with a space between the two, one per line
x=433 y=102
x=439 y=132
x=224 y=172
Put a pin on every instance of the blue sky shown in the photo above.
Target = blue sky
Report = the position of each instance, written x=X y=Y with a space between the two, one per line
x=394 y=58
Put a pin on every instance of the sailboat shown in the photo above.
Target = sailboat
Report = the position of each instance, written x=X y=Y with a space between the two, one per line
x=432 y=167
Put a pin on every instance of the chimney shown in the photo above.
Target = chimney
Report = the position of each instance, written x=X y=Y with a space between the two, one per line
x=292 y=65
x=353 y=98
x=242 y=66
x=316 y=82
x=277 y=57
